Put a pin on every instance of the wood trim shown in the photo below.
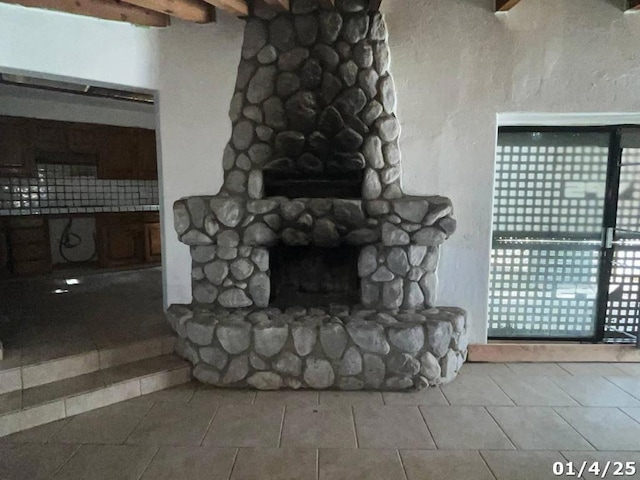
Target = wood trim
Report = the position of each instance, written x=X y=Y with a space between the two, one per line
x=552 y=352
x=105 y=9
x=190 y=10
x=234 y=7
x=633 y=5
x=279 y=4
x=374 y=5
x=505 y=5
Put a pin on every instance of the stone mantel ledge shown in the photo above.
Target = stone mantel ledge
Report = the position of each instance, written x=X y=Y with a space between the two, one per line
x=229 y=221
x=334 y=347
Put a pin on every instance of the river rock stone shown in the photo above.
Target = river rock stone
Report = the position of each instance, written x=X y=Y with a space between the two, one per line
x=348 y=140
x=200 y=333
x=281 y=33
x=351 y=363
x=330 y=122
x=374 y=370
x=234 y=298
x=214 y=356
x=355 y=28
x=216 y=271
x=388 y=128
x=265 y=381
x=290 y=143
x=349 y=73
x=307 y=29
x=381 y=57
x=268 y=341
x=439 y=337
x=413 y=295
x=327 y=56
x=429 y=367
x=397 y=261
x=242 y=268
x=392 y=294
x=333 y=339
x=291 y=60
x=318 y=373
x=311 y=74
x=234 y=338
x=387 y=93
x=403 y=364
x=262 y=84
x=237 y=370
x=351 y=101
x=372 y=112
x=369 y=336
x=301 y=111
x=325 y=233
x=259 y=234
x=330 y=25
x=260 y=289
x=363 y=55
x=204 y=292
x=378 y=28
x=382 y=274
x=429 y=236
x=268 y=54
x=407 y=339
x=304 y=339
x=392 y=235
x=203 y=254
x=288 y=364
x=255 y=37
x=206 y=374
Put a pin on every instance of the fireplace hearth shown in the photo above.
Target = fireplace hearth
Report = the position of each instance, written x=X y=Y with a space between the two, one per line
x=310 y=267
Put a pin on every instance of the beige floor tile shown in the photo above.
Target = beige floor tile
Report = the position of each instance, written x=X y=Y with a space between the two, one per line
x=360 y=464
x=54 y=370
x=191 y=463
x=246 y=426
x=141 y=368
x=321 y=426
x=10 y=380
x=475 y=390
x=178 y=394
x=444 y=465
x=462 y=428
x=520 y=465
x=391 y=427
x=534 y=391
x=275 y=464
x=485 y=369
x=210 y=394
x=633 y=412
x=108 y=462
x=33 y=462
x=595 y=392
x=591 y=369
x=289 y=398
x=598 y=460
x=41 y=414
x=41 y=434
x=85 y=402
x=605 y=428
x=350 y=398
x=426 y=396
x=108 y=425
x=629 y=384
x=173 y=424
x=632 y=369
x=538 y=369
x=538 y=428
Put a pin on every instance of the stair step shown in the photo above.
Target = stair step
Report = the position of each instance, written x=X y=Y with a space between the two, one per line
x=16 y=373
x=20 y=410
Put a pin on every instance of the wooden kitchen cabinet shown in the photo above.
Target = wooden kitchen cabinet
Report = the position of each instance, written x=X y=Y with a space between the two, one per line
x=84 y=138
x=147 y=155
x=127 y=238
x=119 y=153
x=48 y=136
x=16 y=156
x=29 y=245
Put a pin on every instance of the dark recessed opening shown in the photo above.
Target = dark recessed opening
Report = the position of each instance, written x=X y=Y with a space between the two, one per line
x=347 y=185
x=313 y=276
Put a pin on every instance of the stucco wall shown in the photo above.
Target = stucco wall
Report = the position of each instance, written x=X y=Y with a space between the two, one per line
x=456 y=66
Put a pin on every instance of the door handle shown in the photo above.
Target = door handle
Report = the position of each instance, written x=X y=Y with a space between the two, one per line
x=608 y=237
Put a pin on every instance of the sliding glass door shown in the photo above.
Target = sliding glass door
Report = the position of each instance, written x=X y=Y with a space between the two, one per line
x=555 y=208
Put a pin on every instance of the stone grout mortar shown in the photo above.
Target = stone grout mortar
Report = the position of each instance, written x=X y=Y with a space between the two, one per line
x=314 y=96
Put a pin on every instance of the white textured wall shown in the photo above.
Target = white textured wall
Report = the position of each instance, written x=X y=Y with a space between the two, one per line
x=456 y=67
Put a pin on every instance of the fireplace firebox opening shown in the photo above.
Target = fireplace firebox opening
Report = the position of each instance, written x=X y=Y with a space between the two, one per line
x=314 y=276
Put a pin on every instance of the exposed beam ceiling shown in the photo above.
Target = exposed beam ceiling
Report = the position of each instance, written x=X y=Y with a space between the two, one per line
x=633 y=5
x=235 y=7
x=505 y=5
x=106 y=9
x=190 y=10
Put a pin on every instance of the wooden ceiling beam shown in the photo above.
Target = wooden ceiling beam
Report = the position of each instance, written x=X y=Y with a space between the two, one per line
x=190 y=10
x=505 y=5
x=374 y=5
x=633 y=5
x=279 y=4
x=105 y=9
x=234 y=7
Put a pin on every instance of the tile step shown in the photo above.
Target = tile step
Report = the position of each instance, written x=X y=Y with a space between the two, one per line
x=35 y=406
x=14 y=376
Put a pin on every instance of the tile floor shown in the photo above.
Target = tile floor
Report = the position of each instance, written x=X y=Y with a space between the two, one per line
x=496 y=421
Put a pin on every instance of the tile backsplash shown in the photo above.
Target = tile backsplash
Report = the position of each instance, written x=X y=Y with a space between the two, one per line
x=61 y=188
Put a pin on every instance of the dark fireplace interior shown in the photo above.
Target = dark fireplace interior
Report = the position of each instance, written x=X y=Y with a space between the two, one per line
x=314 y=276
x=291 y=184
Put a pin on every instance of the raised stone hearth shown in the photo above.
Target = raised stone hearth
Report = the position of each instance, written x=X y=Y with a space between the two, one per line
x=314 y=166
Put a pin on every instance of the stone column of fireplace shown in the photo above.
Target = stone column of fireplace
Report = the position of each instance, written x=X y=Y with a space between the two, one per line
x=315 y=101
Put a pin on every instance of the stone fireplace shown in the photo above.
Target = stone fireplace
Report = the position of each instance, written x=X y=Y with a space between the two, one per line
x=310 y=267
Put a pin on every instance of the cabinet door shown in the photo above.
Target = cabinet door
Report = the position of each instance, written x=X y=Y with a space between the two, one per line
x=84 y=138
x=147 y=155
x=122 y=245
x=49 y=136
x=118 y=154
x=16 y=158
x=152 y=242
